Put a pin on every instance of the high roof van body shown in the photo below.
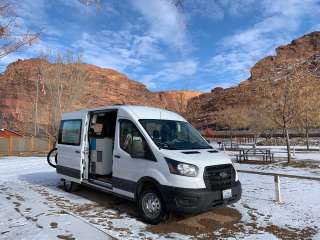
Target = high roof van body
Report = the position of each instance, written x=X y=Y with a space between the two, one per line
x=149 y=155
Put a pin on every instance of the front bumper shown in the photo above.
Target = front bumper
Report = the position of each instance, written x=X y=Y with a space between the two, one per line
x=185 y=200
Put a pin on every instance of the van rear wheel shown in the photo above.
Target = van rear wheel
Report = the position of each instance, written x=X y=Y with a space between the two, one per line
x=70 y=186
x=151 y=206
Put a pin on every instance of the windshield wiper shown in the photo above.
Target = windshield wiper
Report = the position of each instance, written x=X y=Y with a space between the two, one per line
x=162 y=145
x=202 y=147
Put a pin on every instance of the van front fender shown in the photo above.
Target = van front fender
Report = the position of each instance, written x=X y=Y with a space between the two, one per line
x=154 y=178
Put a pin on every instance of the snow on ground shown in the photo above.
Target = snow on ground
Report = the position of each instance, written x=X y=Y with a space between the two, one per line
x=25 y=214
x=298 y=214
x=280 y=151
x=305 y=156
x=34 y=207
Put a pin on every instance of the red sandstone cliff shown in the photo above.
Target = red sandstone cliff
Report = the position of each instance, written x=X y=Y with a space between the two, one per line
x=106 y=86
x=103 y=87
x=305 y=49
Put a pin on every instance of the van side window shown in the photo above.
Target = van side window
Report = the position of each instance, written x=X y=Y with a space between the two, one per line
x=70 y=132
x=132 y=141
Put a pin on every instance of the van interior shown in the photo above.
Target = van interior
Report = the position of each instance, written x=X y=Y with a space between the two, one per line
x=101 y=142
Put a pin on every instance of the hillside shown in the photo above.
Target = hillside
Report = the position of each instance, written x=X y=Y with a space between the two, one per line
x=103 y=87
x=304 y=50
x=107 y=86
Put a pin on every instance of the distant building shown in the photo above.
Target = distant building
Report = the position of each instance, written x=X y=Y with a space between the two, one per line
x=5 y=133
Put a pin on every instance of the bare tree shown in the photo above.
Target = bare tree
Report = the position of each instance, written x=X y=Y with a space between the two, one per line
x=278 y=97
x=181 y=102
x=64 y=81
x=12 y=36
x=192 y=110
x=309 y=101
x=233 y=118
x=257 y=122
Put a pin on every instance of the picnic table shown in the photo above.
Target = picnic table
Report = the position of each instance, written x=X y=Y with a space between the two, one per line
x=245 y=153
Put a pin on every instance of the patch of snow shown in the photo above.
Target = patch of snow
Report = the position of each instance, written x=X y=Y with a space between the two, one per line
x=31 y=203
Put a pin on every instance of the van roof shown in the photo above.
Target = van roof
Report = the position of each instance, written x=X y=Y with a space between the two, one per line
x=137 y=111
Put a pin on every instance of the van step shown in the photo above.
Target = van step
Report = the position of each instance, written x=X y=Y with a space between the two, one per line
x=102 y=183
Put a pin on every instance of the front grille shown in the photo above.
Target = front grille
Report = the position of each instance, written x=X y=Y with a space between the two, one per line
x=219 y=177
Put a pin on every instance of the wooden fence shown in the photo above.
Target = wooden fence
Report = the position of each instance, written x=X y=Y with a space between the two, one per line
x=251 y=135
x=24 y=145
x=276 y=177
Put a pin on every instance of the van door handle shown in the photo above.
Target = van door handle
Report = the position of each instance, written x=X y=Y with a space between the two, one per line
x=77 y=151
x=116 y=156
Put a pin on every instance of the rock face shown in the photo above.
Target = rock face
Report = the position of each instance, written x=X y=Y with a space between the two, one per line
x=106 y=86
x=103 y=87
x=305 y=49
x=299 y=49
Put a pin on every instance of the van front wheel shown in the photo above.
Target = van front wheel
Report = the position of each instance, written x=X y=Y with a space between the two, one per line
x=151 y=206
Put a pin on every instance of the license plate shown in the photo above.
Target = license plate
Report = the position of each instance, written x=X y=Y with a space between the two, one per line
x=226 y=193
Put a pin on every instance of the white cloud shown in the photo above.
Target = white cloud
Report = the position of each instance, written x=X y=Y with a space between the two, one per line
x=280 y=23
x=315 y=28
x=32 y=14
x=31 y=17
x=147 y=47
x=128 y=47
x=119 y=50
x=218 y=9
x=170 y=72
x=164 y=20
x=239 y=7
x=208 y=9
x=33 y=51
x=106 y=49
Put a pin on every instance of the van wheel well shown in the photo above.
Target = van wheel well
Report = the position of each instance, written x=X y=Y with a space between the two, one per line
x=147 y=184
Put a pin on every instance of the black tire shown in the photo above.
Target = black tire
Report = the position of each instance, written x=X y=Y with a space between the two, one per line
x=53 y=151
x=70 y=186
x=151 y=207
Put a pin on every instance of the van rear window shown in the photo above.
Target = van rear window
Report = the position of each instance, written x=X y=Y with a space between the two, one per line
x=70 y=132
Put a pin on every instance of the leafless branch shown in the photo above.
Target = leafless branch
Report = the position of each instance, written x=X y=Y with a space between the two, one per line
x=12 y=36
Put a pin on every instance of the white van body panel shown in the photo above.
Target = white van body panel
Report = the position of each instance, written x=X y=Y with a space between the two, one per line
x=127 y=170
x=140 y=167
x=70 y=155
x=202 y=158
x=141 y=112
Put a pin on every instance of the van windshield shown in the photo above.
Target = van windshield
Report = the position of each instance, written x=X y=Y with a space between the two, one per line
x=174 y=135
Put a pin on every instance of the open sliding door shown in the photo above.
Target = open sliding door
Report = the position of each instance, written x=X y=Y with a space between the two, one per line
x=84 y=163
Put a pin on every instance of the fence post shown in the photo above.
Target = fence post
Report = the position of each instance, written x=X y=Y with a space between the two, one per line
x=32 y=144
x=49 y=144
x=277 y=188
x=293 y=151
x=10 y=145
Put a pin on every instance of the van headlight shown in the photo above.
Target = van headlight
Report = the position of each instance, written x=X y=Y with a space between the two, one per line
x=180 y=168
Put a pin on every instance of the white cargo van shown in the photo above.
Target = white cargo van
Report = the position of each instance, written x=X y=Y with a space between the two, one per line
x=148 y=155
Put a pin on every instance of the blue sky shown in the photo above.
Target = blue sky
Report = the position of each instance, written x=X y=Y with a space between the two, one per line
x=198 y=46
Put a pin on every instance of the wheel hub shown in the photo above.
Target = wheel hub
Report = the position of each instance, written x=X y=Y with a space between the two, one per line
x=151 y=205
